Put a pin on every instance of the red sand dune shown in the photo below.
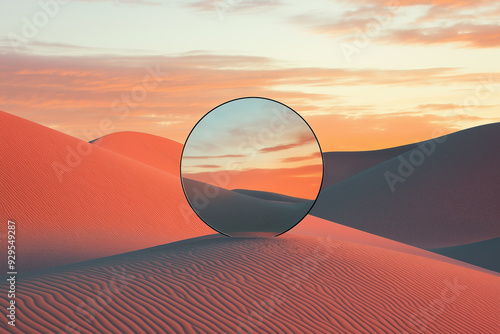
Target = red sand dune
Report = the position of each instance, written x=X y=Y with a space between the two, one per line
x=96 y=204
x=317 y=227
x=158 y=152
x=289 y=284
x=450 y=197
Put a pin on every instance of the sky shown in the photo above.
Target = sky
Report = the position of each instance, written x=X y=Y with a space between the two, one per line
x=255 y=144
x=364 y=74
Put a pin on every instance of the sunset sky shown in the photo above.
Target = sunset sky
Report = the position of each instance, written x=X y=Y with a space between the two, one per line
x=364 y=74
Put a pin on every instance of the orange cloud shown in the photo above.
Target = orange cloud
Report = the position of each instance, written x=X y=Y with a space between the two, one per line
x=471 y=35
x=471 y=24
x=304 y=139
x=214 y=156
x=303 y=158
x=442 y=3
x=88 y=97
x=450 y=107
x=207 y=166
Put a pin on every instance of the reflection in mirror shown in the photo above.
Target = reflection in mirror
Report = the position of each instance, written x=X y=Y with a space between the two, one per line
x=251 y=167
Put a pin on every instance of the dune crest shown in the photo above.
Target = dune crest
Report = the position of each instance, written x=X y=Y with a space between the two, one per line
x=74 y=201
x=158 y=152
x=340 y=166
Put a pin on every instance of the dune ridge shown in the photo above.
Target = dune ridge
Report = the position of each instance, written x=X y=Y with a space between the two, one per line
x=317 y=227
x=73 y=201
x=158 y=152
x=270 y=196
x=343 y=165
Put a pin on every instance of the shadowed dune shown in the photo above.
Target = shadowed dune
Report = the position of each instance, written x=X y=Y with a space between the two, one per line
x=233 y=212
x=270 y=196
x=158 y=152
x=340 y=166
x=74 y=201
x=289 y=284
x=444 y=198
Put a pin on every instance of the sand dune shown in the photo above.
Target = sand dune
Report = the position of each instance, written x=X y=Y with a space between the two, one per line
x=158 y=152
x=289 y=284
x=270 y=196
x=74 y=201
x=340 y=166
x=444 y=198
x=317 y=227
x=233 y=212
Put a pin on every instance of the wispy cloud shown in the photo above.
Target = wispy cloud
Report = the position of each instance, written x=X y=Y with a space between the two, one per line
x=470 y=35
x=449 y=106
x=234 y=5
x=302 y=140
x=130 y=2
x=302 y=158
x=214 y=156
x=439 y=3
x=472 y=24
x=207 y=166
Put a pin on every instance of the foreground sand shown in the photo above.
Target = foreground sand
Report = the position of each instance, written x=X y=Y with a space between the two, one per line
x=289 y=284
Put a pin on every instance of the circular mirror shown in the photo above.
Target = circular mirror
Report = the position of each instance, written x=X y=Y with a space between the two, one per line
x=251 y=167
